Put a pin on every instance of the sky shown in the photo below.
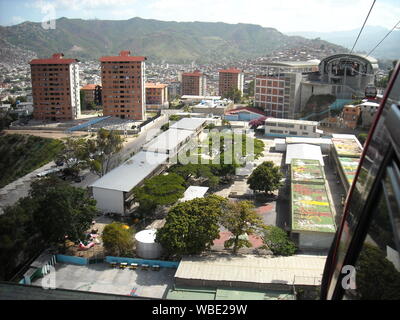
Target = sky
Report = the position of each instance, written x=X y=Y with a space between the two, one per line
x=284 y=15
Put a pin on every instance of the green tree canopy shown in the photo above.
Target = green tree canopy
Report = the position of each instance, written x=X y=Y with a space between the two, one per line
x=102 y=149
x=75 y=154
x=191 y=226
x=241 y=219
x=266 y=177
x=162 y=190
x=118 y=239
x=61 y=210
x=278 y=241
x=234 y=94
x=376 y=276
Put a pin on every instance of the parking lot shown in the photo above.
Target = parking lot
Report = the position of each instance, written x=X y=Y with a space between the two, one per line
x=102 y=278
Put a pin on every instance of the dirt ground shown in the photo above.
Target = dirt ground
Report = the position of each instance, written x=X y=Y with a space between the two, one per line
x=47 y=133
x=97 y=250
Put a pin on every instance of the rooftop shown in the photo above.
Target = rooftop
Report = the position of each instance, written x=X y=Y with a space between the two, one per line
x=190 y=97
x=303 y=151
x=347 y=147
x=297 y=269
x=124 y=56
x=290 y=140
x=189 y=124
x=157 y=85
x=291 y=121
x=246 y=109
x=349 y=166
x=310 y=208
x=307 y=171
x=231 y=70
x=168 y=140
x=194 y=192
x=132 y=172
x=57 y=58
x=89 y=87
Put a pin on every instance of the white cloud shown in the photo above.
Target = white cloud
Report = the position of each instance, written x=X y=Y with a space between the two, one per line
x=17 y=19
x=285 y=15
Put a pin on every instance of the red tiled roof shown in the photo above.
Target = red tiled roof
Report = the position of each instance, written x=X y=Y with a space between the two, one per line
x=57 y=58
x=248 y=109
x=152 y=85
x=89 y=86
x=124 y=56
x=231 y=70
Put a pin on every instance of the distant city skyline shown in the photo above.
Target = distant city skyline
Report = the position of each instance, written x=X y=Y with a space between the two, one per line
x=285 y=15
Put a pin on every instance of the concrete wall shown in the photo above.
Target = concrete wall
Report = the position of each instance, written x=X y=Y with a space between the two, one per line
x=109 y=200
x=314 y=240
x=161 y=263
x=311 y=88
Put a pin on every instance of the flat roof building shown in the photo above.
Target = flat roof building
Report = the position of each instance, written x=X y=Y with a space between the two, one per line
x=114 y=189
x=156 y=96
x=169 y=142
x=303 y=151
x=313 y=226
x=346 y=153
x=288 y=127
x=249 y=271
x=123 y=86
x=55 y=88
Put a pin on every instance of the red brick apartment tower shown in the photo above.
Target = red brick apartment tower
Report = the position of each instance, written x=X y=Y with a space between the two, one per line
x=55 y=88
x=193 y=83
x=123 y=88
x=228 y=79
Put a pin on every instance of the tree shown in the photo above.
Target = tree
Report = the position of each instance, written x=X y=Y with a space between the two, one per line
x=61 y=210
x=118 y=239
x=240 y=219
x=234 y=94
x=102 y=149
x=191 y=226
x=266 y=177
x=74 y=155
x=251 y=88
x=278 y=241
x=160 y=190
x=376 y=276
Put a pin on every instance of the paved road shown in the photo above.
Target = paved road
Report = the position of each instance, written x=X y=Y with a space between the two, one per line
x=20 y=188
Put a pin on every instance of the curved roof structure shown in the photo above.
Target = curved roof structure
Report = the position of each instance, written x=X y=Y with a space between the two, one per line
x=372 y=62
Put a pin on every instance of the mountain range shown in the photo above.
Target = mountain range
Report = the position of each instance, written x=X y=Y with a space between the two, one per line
x=369 y=38
x=180 y=42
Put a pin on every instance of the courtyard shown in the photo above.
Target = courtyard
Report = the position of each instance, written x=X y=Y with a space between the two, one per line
x=102 y=278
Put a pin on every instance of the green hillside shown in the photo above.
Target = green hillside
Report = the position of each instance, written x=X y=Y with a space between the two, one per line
x=158 y=40
x=21 y=154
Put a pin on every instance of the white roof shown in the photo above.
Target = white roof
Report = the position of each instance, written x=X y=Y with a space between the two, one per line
x=291 y=121
x=296 y=269
x=132 y=172
x=194 y=192
x=369 y=104
x=200 y=97
x=343 y=136
x=279 y=141
x=303 y=151
x=290 y=140
x=146 y=236
x=168 y=140
x=188 y=124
